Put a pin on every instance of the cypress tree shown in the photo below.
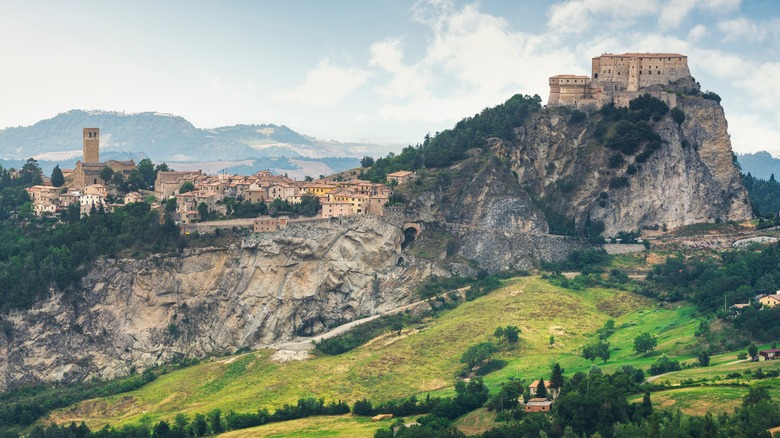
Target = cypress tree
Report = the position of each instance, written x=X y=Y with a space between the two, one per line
x=541 y=391
x=57 y=179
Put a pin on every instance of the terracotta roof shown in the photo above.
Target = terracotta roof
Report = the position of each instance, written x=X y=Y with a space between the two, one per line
x=539 y=402
x=400 y=173
x=641 y=55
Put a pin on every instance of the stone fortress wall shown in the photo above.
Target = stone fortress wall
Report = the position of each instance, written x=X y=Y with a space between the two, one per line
x=620 y=78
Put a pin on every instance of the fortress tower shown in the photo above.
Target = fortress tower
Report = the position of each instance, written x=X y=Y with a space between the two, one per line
x=91 y=145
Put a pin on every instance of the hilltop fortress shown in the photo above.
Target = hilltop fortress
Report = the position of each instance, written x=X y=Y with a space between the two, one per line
x=620 y=78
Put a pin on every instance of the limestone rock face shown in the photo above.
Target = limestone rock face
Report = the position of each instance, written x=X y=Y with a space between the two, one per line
x=690 y=179
x=270 y=288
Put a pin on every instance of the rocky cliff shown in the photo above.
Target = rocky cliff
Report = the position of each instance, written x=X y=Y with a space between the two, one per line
x=690 y=178
x=270 y=288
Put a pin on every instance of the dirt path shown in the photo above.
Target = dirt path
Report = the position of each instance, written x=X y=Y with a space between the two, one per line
x=305 y=344
x=653 y=378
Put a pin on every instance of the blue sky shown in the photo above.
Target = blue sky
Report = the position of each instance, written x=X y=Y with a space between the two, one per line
x=382 y=71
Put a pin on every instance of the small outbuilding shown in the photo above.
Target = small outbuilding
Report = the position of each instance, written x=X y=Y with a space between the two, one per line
x=538 y=405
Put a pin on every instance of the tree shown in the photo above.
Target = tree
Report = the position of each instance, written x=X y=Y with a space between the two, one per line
x=512 y=333
x=31 y=173
x=752 y=351
x=478 y=353
x=106 y=174
x=148 y=173
x=367 y=162
x=556 y=377
x=552 y=341
x=607 y=330
x=647 y=405
x=203 y=211
x=541 y=390
x=756 y=395
x=704 y=358
x=199 y=426
x=57 y=179
x=499 y=332
x=602 y=351
x=187 y=186
x=214 y=420
x=645 y=343
x=397 y=325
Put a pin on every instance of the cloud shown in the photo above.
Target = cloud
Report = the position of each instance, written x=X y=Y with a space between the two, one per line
x=407 y=81
x=697 y=33
x=751 y=133
x=472 y=60
x=577 y=16
x=748 y=30
x=673 y=12
x=324 y=86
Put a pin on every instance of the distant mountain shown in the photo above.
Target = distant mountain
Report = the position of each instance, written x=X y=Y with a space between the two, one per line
x=760 y=164
x=165 y=137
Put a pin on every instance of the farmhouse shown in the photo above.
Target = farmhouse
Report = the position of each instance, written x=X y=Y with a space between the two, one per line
x=770 y=300
x=771 y=354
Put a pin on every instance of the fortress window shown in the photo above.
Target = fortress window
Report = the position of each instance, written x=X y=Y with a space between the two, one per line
x=596 y=75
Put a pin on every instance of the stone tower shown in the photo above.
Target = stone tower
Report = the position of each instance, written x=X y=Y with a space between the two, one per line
x=91 y=145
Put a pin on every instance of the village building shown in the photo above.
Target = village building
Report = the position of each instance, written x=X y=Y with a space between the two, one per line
x=255 y=195
x=770 y=300
x=133 y=197
x=400 y=177
x=267 y=224
x=320 y=190
x=282 y=191
x=538 y=405
x=771 y=354
x=376 y=204
x=336 y=209
x=168 y=183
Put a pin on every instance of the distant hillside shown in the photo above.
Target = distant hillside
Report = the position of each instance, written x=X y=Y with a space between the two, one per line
x=165 y=137
x=760 y=164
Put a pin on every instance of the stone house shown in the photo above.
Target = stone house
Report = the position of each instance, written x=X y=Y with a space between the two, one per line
x=770 y=300
x=538 y=405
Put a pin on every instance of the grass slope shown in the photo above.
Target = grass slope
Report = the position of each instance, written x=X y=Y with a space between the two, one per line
x=423 y=359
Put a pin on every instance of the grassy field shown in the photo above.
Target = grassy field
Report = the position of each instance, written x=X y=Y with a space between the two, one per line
x=337 y=426
x=424 y=359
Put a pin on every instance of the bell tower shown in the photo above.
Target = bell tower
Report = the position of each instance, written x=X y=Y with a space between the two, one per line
x=91 y=145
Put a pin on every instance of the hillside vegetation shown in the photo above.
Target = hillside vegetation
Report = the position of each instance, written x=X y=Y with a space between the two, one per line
x=425 y=358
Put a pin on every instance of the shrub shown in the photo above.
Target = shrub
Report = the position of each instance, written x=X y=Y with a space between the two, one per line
x=678 y=115
x=618 y=182
x=616 y=160
x=709 y=95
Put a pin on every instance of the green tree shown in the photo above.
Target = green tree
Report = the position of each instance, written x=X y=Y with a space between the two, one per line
x=704 y=358
x=478 y=353
x=645 y=343
x=31 y=174
x=512 y=334
x=367 y=162
x=607 y=330
x=647 y=405
x=552 y=341
x=203 y=211
x=752 y=351
x=199 y=425
x=556 y=377
x=57 y=179
x=214 y=420
x=148 y=173
x=187 y=186
x=541 y=390
x=106 y=174
x=499 y=333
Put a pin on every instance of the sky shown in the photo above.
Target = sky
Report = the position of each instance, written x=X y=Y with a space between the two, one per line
x=383 y=71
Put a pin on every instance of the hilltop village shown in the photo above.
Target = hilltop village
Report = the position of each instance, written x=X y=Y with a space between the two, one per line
x=193 y=196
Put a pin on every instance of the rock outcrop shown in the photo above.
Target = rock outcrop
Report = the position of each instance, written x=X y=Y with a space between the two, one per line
x=690 y=179
x=270 y=288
